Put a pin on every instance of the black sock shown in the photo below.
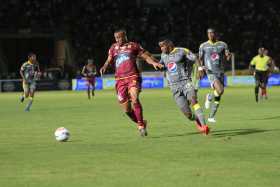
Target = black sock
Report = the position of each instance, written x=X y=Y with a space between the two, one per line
x=257 y=93
x=132 y=116
x=215 y=106
x=217 y=98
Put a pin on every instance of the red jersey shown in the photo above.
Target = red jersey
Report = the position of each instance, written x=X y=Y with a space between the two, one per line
x=124 y=58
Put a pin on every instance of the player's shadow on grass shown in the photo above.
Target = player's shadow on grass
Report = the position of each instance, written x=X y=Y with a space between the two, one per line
x=267 y=118
x=175 y=135
x=221 y=133
x=239 y=132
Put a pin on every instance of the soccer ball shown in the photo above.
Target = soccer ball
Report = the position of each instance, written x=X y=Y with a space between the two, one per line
x=61 y=134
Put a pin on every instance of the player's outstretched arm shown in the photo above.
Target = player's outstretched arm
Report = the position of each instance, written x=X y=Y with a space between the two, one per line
x=200 y=68
x=106 y=64
x=273 y=66
x=151 y=60
x=228 y=55
x=22 y=74
x=38 y=70
x=252 y=66
x=37 y=66
x=270 y=65
x=84 y=71
x=94 y=70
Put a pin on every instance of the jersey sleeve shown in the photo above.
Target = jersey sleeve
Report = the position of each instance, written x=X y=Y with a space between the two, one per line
x=161 y=59
x=22 y=68
x=111 y=51
x=253 y=62
x=226 y=47
x=139 y=49
x=189 y=55
x=201 y=52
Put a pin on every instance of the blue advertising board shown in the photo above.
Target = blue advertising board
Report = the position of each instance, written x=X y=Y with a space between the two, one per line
x=204 y=82
x=109 y=83
x=152 y=82
x=241 y=80
x=274 y=80
x=81 y=84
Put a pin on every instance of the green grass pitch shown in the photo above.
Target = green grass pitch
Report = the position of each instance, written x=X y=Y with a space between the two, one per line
x=105 y=149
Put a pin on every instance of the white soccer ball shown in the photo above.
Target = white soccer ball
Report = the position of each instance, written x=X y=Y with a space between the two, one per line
x=61 y=134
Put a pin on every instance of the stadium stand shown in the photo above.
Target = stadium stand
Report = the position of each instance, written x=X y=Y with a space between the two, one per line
x=89 y=25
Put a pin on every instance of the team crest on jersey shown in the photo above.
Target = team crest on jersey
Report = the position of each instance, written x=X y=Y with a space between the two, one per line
x=215 y=56
x=121 y=58
x=172 y=67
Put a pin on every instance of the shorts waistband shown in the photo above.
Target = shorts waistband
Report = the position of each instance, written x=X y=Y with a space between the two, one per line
x=121 y=78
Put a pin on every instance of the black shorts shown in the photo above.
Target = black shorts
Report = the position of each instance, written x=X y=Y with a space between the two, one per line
x=261 y=77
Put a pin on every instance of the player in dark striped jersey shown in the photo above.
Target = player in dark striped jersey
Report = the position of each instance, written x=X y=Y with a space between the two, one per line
x=29 y=72
x=89 y=72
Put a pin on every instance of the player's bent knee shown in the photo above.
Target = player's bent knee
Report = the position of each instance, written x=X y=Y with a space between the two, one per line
x=135 y=100
x=32 y=93
x=125 y=107
x=219 y=91
x=193 y=101
x=186 y=111
x=26 y=94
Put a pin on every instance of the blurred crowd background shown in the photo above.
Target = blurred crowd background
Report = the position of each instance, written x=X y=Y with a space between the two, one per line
x=88 y=26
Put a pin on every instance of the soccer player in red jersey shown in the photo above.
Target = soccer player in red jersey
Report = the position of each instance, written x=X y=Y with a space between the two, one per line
x=89 y=72
x=123 y=55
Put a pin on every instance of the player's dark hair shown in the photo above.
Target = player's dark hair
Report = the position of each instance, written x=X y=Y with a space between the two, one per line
x=120 y=30
x=211 y=29
x=30 y=54
x=262 y=49
x=167 y=41
x=90 y=61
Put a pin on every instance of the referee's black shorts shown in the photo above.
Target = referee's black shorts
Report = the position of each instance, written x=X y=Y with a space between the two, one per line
x=261 y=77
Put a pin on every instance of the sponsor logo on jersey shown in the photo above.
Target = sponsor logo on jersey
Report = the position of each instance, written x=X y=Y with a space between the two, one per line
x=121 y=58
x=172 y=67
x=215 y=56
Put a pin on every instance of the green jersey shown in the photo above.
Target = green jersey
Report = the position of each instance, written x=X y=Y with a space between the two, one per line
x=29 y=71
x=213 y=55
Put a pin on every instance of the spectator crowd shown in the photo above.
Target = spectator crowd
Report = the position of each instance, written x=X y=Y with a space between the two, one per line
x=89 y=25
